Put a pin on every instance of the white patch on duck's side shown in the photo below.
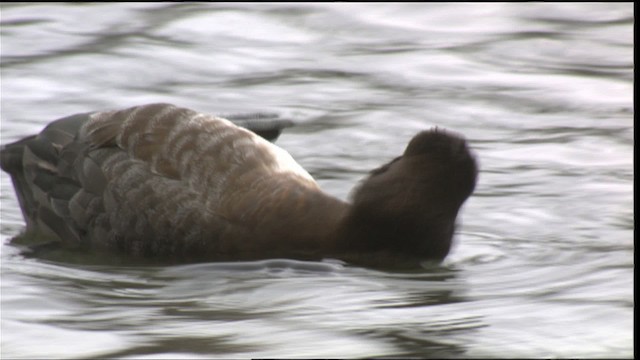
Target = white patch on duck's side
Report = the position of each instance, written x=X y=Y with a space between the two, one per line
x=245 y=144
x=283 y=161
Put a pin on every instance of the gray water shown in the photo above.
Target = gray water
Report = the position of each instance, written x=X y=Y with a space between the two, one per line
x=543 y=260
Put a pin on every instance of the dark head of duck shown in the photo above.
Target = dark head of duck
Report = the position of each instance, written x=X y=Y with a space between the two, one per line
x=405 y=210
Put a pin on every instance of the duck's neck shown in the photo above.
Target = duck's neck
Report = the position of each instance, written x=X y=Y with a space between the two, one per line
x=299 y=221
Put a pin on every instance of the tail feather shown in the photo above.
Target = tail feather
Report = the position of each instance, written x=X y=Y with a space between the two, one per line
x=267 y=125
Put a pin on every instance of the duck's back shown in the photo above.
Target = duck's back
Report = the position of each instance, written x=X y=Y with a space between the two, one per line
x=149 y=180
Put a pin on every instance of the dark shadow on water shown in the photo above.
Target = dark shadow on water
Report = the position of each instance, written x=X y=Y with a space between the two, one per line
x=198 y=346
x=45 y=249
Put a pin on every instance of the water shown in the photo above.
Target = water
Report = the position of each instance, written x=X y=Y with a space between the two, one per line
x=543 y=261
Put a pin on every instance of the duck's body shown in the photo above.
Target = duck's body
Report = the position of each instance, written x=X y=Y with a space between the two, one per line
x=167 y=182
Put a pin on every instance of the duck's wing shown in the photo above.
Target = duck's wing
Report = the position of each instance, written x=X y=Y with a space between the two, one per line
x=33 y=164
x=135 y=179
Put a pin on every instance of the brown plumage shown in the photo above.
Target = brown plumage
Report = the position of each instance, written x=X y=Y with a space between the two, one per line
x=166 y=182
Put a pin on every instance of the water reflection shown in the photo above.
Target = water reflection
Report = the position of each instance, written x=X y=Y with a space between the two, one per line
x=207 y=306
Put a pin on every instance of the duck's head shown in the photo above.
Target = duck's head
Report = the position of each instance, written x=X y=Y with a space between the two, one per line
x=409 y=205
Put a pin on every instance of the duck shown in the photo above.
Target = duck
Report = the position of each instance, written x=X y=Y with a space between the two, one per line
x=167 y=182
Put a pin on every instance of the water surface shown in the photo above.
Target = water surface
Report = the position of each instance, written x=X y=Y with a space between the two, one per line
x=543 y=261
